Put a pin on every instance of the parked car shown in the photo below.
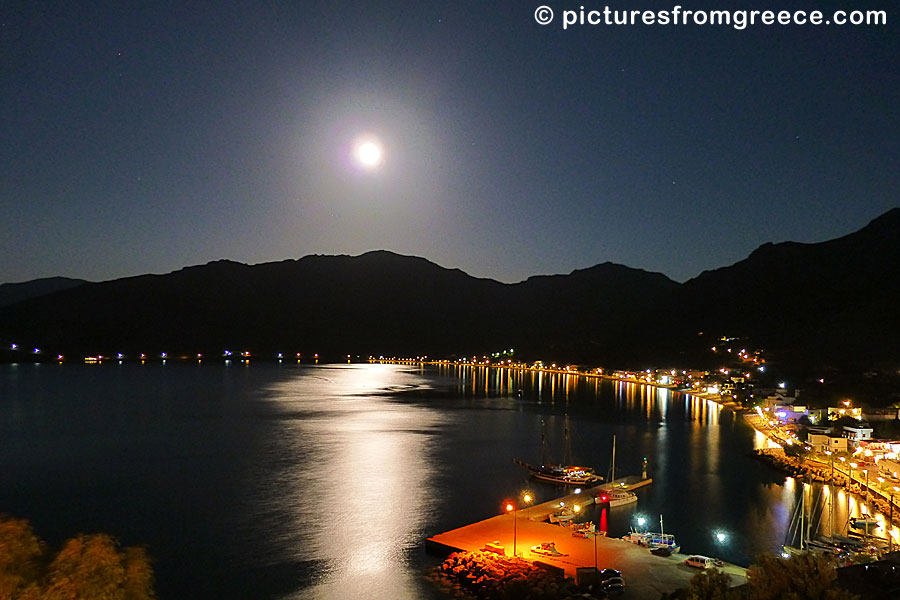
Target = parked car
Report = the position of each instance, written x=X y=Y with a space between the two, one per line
x=613 y=585
x=700 y=561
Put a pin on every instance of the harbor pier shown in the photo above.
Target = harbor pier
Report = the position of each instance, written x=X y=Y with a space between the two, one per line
x=647 y=576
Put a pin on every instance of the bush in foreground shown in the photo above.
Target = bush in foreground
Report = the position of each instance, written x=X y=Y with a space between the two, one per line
x=88 y=567
x=801 y=577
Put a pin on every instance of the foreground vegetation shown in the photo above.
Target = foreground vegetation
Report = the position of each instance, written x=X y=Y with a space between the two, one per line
x=802 y=577
x=87 y=567
x=492 y=576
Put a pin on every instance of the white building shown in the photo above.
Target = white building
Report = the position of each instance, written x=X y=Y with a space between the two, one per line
x=821 y=442
x=857 y=434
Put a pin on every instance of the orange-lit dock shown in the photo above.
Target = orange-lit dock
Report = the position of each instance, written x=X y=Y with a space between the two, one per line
x=647 y=576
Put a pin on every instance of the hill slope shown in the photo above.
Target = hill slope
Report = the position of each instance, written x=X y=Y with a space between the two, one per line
x=10 y=293
x=831 y=303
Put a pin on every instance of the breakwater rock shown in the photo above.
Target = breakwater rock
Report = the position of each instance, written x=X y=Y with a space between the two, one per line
x=489 y=576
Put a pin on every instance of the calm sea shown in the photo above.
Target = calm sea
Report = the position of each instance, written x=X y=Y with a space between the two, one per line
x=271 y=481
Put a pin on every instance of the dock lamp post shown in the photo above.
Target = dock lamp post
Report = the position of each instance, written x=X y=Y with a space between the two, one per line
x=510 y=507
x=527 y=498
x=831 y=454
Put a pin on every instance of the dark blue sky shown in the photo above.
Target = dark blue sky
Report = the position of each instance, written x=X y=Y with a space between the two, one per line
x=146 y=136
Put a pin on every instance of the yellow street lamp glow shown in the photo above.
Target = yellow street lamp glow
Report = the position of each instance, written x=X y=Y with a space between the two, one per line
x=576 y=508
x=509 y=507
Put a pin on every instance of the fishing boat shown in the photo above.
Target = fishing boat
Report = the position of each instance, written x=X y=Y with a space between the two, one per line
x=563 y=515
x=565 y=474
x=654 y=540
x=620 y=497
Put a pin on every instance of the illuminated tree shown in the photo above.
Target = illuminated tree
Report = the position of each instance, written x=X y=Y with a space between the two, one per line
x=92 y=567
x=801 y=577
x=712 y=584
x=20 y=556
x=89 y=567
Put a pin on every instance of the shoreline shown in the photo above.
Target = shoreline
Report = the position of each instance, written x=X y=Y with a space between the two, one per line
x=820 y=472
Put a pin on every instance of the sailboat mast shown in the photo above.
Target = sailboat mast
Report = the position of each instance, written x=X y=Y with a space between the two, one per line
x=543 y=443
x=802 y=512
x=661 y=530
x=612 y=469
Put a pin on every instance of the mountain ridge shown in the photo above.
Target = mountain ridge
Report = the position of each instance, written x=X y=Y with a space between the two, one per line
x=833 y=298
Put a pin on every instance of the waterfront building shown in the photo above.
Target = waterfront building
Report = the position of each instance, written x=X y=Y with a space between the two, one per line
x=821 y=442
x=858 y=434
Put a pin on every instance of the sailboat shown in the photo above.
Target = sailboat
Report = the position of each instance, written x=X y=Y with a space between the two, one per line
x=801 y=525
x=566 y=474
x=612 y=494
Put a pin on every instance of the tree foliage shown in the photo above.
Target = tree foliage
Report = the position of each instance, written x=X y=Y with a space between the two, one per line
x=88 y=567
x=712 y=584
x=801 y=577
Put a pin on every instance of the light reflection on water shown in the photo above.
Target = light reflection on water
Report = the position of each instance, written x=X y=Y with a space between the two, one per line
x=356 y=503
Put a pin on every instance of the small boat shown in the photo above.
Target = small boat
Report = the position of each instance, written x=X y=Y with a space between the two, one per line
x=614 y=495
x=562 y=515
x=661 y=551
x=547 y=549
x=867 y=525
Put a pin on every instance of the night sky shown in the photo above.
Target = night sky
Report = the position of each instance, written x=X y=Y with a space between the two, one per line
x=145 y=136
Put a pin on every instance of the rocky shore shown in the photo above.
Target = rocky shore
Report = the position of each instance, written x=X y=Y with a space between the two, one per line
x=489 y=576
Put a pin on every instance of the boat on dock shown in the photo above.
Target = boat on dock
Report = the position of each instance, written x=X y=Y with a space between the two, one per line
x=547 y=549
x=586 y=530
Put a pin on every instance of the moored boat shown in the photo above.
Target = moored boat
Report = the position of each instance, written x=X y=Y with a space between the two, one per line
x=614 y=495
x=653 y=540
x=572 y=475
x=562 y=515
x=565 y=474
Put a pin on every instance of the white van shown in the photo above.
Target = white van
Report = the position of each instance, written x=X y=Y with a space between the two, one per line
x=700 y=561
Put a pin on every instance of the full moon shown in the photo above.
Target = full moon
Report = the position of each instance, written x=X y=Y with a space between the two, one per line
x=368 y=153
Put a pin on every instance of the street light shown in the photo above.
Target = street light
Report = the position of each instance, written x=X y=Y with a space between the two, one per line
x=721 y=536
x=511 y=508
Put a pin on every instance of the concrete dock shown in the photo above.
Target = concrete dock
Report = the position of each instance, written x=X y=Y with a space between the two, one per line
x=647 y=576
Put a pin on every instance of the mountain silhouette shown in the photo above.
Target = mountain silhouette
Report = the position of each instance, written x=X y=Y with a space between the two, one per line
x=825 y=303
x=11 y=293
